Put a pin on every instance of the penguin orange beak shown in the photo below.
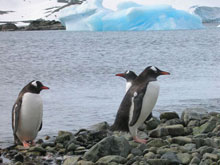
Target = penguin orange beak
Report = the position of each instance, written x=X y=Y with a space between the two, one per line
x=164 y=73
x=120 y=75
x=44 y=87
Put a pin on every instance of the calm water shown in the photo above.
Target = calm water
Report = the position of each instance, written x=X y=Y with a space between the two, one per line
x=80 y=68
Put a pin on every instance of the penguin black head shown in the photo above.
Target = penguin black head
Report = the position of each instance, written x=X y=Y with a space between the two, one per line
x=154 y=72
x=35 y=87
x=128 y=75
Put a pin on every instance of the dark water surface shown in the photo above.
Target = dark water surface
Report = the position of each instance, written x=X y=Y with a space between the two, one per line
x=79 y=68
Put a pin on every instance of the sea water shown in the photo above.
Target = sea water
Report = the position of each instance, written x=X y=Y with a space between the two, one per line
x=80 y=68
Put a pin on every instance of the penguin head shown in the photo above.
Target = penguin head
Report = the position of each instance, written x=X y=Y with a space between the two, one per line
x=155 y=72
x=36 y=86
x=128 y=75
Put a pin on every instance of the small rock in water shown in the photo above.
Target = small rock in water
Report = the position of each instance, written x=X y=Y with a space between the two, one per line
x=47 y=137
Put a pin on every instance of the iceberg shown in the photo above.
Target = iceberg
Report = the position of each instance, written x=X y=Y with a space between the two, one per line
x=129 y=16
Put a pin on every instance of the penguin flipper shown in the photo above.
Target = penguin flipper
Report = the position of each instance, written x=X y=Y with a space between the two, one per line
x=40 y=126
x=138 y=99
x=15 y=115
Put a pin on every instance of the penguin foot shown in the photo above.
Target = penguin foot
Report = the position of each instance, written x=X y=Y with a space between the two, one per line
x=25 y=144
x=138 y=140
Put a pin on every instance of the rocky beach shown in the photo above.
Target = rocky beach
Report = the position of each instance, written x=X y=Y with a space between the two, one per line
x=39 y=24
x=190 y=138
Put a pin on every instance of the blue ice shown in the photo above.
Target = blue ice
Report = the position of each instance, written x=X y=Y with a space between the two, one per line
x=129 y=16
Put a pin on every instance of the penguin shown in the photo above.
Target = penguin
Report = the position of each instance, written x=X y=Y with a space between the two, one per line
x=130 y=76
x=27 y=114
x=138 y=102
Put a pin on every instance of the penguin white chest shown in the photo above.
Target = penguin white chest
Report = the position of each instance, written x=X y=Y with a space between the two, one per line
x=30 y=116
x=149 y=100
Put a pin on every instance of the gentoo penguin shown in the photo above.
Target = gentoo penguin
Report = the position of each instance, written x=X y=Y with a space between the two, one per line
x=130 y=76
x=27 y=113
x=138 y=102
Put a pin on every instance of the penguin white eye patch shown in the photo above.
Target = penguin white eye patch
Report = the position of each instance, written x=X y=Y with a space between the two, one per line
x=34 y=83
x=153 y=68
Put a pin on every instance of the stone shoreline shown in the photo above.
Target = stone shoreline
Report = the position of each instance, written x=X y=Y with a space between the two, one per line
x=39 y=24
x=193 y=138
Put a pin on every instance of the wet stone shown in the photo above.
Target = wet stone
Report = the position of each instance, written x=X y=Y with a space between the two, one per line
x=19 y=157
x=169 y=115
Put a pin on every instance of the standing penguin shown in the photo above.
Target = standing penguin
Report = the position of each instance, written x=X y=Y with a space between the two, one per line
x=138 y=102
x=130 y=76
x=27 y=113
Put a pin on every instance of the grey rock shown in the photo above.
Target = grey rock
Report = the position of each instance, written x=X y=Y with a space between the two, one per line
x=205 y=149
x=189 y=147
x=195 y=160
x=149 y=155
x=111 y=158
x=71 y=147
x=152 y=123
x=213 y=157
x=158 y=162
x=169 y=115
x=136 y=151
x=199 y=142
x=184 y=158
x=108 y=146
x=172 y=157
x=193 y=114
x=159 y=132
x=206 y=162
x=181 y=140
x=19 y=157
x=63 y=136
x=71 y=160
x=193 y=123
x=41 y=150
x=173 y=130
x=157 y=143
x=100 y=126
x=84 y=162
x=174 y=121
x=51 y=144
x=162 y=150
x=206 y=127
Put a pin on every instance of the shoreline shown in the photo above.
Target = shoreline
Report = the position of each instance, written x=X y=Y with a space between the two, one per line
x=192 y=138
x=39 y=24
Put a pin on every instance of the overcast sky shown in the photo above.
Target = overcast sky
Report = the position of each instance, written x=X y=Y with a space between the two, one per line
x=179 y=4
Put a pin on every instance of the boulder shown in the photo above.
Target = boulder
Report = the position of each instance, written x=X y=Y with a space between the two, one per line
x=193 y=114
x=111 y=145
x=209 y=126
